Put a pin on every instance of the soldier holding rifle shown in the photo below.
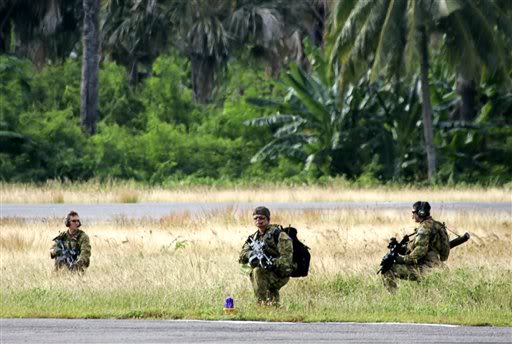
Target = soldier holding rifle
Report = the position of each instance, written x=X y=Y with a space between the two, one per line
x=429 y=247
x=71 y=248
x=269 y=252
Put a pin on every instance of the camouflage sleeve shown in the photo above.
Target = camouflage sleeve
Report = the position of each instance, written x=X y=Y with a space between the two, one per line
x=244 y=253
x=285 y=247
x=419 y=247
x=85 y=250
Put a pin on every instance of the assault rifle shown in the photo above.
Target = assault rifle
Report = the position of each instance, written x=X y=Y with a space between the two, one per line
x=396 y=248
x=258 y=257
x=66 y=256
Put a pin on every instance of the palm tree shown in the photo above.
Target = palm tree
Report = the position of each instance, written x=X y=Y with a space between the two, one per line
x=90 y=66
x=210 y=32
x=386 y=35
x=135 y=32
x=200 y=32
x=39 y=30
x=261 y=28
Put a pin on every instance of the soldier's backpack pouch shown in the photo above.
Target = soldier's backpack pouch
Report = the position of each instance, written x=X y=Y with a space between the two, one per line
x=301 y=255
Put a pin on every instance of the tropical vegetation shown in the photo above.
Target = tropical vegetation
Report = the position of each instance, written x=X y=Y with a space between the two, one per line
x=374 y=92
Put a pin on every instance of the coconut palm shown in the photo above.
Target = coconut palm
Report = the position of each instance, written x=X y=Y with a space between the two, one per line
x=386 y=35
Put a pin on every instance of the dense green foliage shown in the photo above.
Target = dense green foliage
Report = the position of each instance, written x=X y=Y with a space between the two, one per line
x=233 y=92
x=155 y=132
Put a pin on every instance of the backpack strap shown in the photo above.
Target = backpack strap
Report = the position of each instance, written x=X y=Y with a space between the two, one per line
x=60 y=236
x=276 y=232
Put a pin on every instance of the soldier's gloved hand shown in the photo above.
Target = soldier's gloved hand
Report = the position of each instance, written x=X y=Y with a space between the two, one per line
x=392 y=242
x=243 y=259
x=55 y=253
x=272 y=265
x=254 y=261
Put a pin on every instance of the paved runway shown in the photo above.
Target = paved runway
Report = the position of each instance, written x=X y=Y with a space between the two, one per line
x=158 y=210
x=56 y=331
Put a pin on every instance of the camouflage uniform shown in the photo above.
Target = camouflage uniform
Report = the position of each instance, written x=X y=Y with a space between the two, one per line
x=422 y=254
x=79 y=242
x=266 y=283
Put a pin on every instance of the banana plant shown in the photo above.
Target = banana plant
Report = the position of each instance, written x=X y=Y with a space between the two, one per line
x=308 y=122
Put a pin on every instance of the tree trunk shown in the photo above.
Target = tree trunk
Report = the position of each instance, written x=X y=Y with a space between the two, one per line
x=90 y=66
x=467 y=92
x=428 y=130
x=203 y=78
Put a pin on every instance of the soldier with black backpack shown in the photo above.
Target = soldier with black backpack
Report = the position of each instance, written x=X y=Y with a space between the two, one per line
x=429 y=247
x=269 y=252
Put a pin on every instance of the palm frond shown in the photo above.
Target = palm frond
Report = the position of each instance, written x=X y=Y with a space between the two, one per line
x=364 y=45
x=272 y=120
x=411 y=55
x=260 y=102
x=340 y=13
x=289 y=146
x=289 y=129
x=316 y=110
x=460 y=45
x=484 y=37
x=392 y=39
x=350 y=29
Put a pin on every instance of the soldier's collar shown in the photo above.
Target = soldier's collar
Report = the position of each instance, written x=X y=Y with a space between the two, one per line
x=427 y=218
x=74 y=235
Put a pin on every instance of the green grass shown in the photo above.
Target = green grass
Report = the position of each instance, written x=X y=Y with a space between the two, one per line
x=461 y=296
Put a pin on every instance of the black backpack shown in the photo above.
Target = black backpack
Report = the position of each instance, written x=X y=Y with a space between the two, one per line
x=301 y=255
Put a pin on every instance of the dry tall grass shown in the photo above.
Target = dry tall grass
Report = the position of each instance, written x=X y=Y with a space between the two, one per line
x=183 y=252
x=126 y=192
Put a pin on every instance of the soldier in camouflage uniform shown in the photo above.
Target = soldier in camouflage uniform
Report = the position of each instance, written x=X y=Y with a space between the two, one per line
x=426 y=251
x=268 y=279
x=72 y=239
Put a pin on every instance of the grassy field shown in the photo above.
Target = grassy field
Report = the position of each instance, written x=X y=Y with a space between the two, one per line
x=129 y=192
x=184 y=267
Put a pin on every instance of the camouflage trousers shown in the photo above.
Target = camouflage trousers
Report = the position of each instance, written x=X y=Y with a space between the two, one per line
x=403 y=271
x=266 y=285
